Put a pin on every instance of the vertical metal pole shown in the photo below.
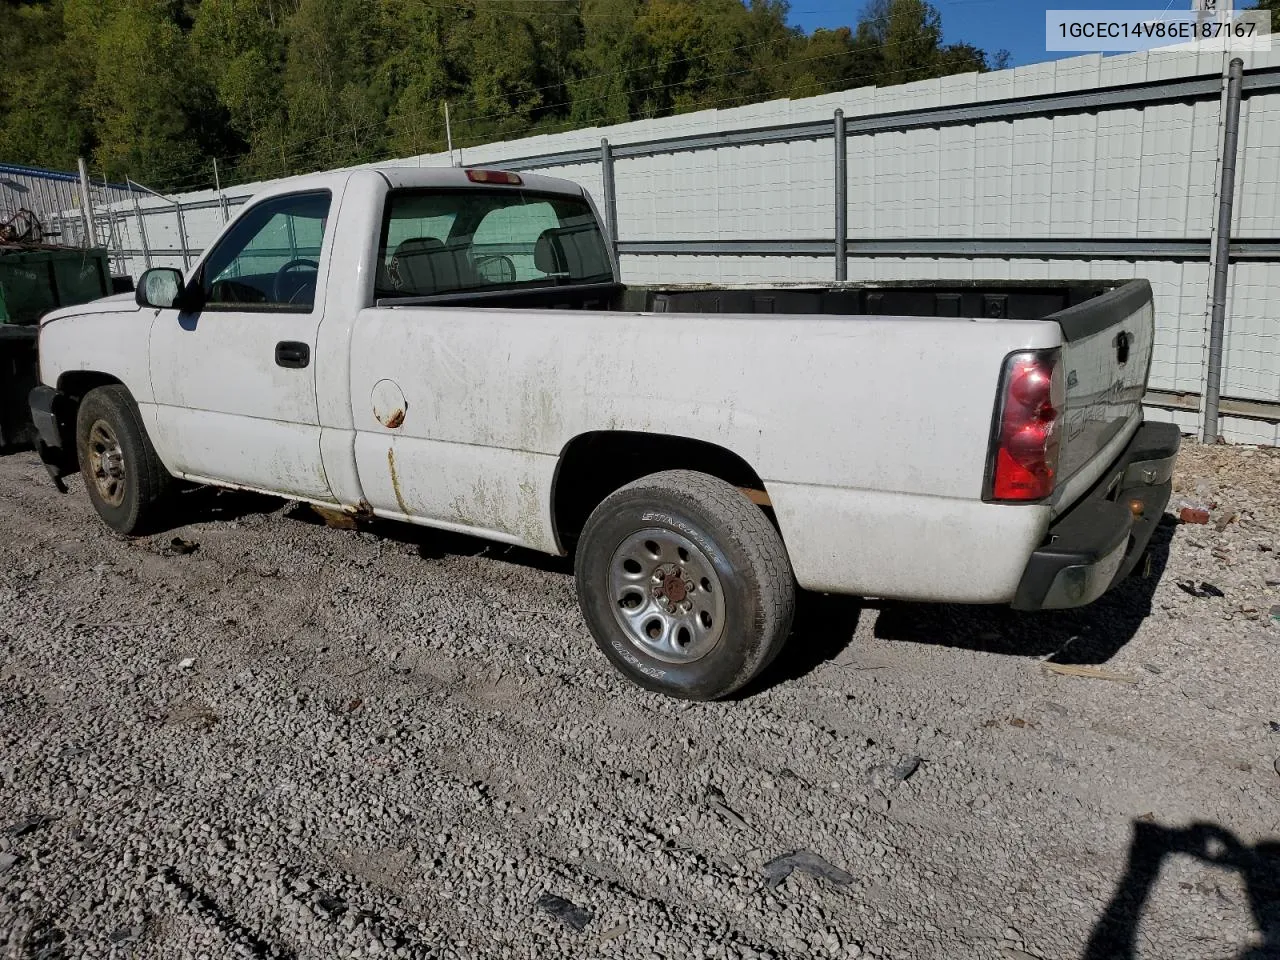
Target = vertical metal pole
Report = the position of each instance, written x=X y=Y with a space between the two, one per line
x=86 y=205
x=182 y=237
x=610 y=194
x=842 y=199
x=142 y=226
x=448 y=131
x=217 y=184
x=1222 y=256
x=117 y=248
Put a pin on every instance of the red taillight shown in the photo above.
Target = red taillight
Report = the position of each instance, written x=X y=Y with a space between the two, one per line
x=494 y=176
x=1028 y=434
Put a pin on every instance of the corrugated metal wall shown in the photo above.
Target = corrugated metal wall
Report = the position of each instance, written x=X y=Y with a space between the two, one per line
x=54 y=197
x=1145 y=173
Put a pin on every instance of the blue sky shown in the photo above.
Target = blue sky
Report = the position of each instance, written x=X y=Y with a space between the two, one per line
x=1013 y=25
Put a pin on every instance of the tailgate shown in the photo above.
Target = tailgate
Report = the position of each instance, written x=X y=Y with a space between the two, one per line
x=1106 y=357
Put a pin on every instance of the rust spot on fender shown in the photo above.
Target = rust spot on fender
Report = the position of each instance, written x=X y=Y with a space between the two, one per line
x=395 y=481
x=396 y=418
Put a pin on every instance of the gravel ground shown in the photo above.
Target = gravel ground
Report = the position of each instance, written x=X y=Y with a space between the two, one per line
x=279 y=739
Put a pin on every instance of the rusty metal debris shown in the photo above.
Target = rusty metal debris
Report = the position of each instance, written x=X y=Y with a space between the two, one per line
x=22 y=226
x=1193 y=515
x=334 y=519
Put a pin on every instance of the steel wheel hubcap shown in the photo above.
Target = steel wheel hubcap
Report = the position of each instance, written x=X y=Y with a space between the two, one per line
x=666 y=596
x=106 y=463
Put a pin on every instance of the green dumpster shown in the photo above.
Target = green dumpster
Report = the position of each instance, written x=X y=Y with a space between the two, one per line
x=33 y=281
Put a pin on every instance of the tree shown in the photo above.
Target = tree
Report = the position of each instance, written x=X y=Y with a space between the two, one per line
x=43 y=119
x=153 y=88
x=152 y=113
x=241 y=45
x=607 y=64
x=335 y=95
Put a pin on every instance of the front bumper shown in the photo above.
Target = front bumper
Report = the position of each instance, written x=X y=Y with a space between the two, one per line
x=1099 y=541
x=51 y=412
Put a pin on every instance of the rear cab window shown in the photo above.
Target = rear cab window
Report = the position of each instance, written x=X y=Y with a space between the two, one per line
x=442 y=241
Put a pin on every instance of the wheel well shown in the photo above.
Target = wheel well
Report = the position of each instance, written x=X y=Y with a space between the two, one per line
x=594 y=465
x=76 y=383
x=73 y=385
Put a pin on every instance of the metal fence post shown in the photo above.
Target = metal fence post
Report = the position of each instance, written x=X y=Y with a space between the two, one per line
x=1222 y=255
x=222 y=200
x=86 y=204
x=842 y=199
x=610 y=194
x=117 y=247
x=142 y=232
x=182 y=237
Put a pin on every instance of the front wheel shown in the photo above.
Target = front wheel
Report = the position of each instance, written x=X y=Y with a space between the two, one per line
x=126 y=481
x=685 y=584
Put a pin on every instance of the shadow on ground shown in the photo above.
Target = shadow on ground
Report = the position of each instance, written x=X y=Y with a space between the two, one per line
x=442 y=544
x=1115 y=937
x=1087 y=635
x=433 y=544
x=195 y=505
x=823 y=627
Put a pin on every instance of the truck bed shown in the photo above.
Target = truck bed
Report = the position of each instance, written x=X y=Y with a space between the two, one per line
x=952 y=298
x=1107 y=333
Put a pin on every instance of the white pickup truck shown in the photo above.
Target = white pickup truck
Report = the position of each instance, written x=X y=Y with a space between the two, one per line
x=454 y=348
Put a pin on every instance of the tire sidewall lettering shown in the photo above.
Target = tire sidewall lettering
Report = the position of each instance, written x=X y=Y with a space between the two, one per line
x=636 y=662
x=693 y=533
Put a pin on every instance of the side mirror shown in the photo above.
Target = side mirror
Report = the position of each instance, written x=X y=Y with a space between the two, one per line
x=162 y=289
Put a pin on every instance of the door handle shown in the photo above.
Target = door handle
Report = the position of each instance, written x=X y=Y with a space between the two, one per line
x=290 y=353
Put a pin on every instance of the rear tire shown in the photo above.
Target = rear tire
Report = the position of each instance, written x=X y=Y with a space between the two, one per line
x=127 y=483
x=685 y=585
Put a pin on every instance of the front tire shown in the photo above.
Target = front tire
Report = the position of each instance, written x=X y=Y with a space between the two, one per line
x=126 y=481
x=685 y=585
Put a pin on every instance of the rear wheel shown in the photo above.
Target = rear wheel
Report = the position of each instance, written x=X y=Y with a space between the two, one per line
x=685 y=584
x=126 y=481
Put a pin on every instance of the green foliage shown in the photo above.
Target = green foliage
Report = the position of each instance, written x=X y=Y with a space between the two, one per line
x=154 y=88
x=1274 y=7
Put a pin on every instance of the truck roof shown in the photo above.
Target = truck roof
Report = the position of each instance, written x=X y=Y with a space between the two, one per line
x=409 y=177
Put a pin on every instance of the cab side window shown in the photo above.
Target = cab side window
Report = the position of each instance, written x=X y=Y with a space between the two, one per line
x=271 y=258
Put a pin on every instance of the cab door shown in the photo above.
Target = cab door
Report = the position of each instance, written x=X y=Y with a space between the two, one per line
x=234 y=380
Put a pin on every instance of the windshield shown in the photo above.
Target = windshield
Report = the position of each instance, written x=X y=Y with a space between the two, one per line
x=448 y=241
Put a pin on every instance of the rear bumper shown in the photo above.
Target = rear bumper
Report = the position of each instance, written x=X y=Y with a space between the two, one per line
x=1102 y=537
